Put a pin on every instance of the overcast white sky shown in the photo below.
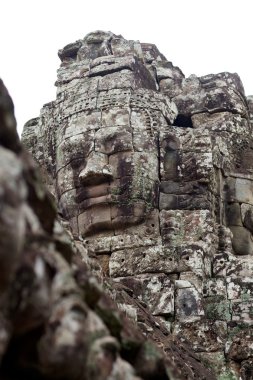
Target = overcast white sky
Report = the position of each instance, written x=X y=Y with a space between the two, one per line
x=199 y=36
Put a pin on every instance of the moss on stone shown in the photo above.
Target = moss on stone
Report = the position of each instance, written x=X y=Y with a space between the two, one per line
x=218 y=311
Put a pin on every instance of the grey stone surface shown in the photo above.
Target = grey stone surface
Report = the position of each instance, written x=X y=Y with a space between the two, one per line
x=153 y=175
x=56 y=320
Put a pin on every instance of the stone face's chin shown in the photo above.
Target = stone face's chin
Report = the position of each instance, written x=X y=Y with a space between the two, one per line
x=108 y=213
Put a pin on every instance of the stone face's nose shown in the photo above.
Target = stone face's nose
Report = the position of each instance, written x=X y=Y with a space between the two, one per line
x=97 y=170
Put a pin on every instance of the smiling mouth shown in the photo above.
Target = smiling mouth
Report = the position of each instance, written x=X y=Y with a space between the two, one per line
x=85 y=193
x=102 y=200
x=108 y=193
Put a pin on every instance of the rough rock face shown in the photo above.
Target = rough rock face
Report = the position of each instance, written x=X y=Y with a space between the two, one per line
x=153 y=175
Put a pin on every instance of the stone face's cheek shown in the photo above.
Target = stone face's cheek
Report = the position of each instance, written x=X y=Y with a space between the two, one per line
x=136 y=164
x=123 y=164
x=85 y=123
x=136 y=178
x=68 y=205
x=65 y=180
x=74 y=148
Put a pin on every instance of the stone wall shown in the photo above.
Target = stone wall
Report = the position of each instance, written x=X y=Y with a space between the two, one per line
x=56 y=321
x=152 y=173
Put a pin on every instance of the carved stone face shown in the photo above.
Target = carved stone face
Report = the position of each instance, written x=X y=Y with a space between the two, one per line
x=107 y=171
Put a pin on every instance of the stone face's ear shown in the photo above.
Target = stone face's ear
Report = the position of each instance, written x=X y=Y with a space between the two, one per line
x=170 y=158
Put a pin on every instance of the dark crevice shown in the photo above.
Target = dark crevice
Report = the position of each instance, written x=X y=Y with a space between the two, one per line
x=183 y=121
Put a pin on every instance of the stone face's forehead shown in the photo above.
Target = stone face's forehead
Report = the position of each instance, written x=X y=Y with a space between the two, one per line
x=111 y=140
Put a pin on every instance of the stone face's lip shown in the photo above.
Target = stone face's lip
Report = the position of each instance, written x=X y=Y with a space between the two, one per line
x=84 y=193
x=90 y=202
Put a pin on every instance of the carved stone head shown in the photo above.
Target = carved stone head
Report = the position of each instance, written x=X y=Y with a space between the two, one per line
x=107 y=161
x=103 y=146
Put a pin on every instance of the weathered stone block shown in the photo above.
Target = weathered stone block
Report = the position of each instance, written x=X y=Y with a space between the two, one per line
x=141 y=165
x=75 y=148
x=216 y=361
x=233 y=214
x=214 y=288
x=212 y=93
x=121 y=47
x=148 y=229
x=156 y=291
x=170 y=165
x=193 y=279
x=186 y=156
x=188 y=305
x=142 y=140
x=116 y=116
x=179 y=226
x=240 y=266
x=136 y=261
x=66 y=180
x=168 y=202
x=247 y=216
x=95 y=219
x=239 y=190
x=220 y=264
x=170 y=87
x=244 y=190
x=204 y=336
x=86 y=122
x=242 y=311
x=114 y=97
x=194 y=188
x=242 y=346
x=98 y=245
x=242 y=241
x=104 y=65
x=125 y=241
x=185 y=202
x=216 y=308
x=221 y=121
x=240 y=288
